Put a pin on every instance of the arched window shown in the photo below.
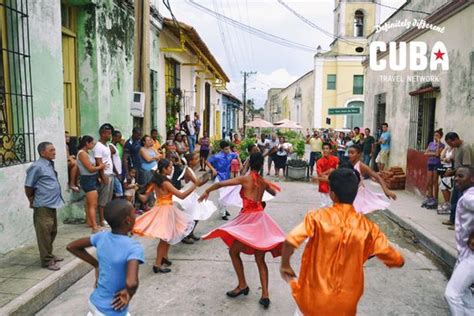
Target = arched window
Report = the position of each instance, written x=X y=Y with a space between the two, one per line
x=359 y=24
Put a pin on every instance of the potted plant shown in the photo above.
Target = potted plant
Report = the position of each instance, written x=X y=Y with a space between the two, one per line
x=297 y=168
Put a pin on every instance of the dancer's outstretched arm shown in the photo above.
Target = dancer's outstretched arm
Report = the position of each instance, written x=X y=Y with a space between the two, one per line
x=366 y=170
x=189 y=176
x=270 y=189
x=218 y=185
x=182 y=195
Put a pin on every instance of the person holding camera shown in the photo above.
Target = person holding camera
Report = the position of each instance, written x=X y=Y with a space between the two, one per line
x=433 y=151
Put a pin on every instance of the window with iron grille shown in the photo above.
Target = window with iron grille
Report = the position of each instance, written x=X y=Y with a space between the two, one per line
x=16 y=98
x=358 y=84
x=422 y=120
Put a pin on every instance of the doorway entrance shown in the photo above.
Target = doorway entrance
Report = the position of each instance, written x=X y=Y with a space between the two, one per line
x=71 y=117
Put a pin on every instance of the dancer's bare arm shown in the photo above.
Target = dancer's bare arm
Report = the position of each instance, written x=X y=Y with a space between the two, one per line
x=168 y=186
x=364 y=169
x=218 y=185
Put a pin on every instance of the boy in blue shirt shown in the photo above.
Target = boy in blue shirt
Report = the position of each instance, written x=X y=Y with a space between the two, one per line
x=219 y=164
x=118 y=258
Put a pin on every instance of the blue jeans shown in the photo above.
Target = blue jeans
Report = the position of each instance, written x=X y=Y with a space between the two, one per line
x=191 y=143
x=118 y=190
x=367 y=159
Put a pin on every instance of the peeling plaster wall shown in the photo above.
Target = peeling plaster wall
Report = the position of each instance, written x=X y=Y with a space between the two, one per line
x=155 y=66
x=105 y=60
x=454 y=103
x=16 y=218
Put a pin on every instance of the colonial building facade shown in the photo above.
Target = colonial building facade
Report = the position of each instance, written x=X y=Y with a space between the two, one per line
x=69 y=66
x=338 y=73
x=415 y=103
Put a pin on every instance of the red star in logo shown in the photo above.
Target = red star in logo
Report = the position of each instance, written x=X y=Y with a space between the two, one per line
x=439 y=54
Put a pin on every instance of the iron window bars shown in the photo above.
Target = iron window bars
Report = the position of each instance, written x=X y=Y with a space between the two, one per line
x=17 y=143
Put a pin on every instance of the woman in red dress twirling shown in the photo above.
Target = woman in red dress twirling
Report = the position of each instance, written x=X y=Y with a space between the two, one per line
x=252 y=232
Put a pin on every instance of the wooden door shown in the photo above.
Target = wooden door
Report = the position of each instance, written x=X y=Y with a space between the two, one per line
x=69 y=83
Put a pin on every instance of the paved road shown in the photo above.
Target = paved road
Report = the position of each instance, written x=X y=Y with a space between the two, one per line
x=202 y=273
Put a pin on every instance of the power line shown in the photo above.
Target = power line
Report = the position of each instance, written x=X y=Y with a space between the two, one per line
x=250 y=37
x=305 y=20
x=225 y=26
x=238 y=36
x=226 y=49
x=245 y=38
x=168 y=6
x=262 y=34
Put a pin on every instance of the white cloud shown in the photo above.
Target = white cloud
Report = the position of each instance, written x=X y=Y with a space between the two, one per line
x=259 y=83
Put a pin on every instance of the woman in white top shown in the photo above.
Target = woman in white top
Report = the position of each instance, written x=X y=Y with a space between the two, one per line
x=282 y=155
x=199 y=211
x=89 y=179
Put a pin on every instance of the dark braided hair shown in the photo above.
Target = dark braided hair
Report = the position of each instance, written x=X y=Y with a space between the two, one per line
x=345 y=164
x=256 y=161
x=158 y=178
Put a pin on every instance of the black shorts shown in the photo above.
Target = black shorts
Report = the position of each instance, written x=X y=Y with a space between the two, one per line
x=89 y=183
x=204 y=153
x=434 y=166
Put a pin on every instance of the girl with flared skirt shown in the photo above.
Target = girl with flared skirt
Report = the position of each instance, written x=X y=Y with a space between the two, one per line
x=164 y=220
x=366 y=200
x=253 y=231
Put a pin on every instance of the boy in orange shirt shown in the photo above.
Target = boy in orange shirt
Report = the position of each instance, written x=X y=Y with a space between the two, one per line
x=331 y=279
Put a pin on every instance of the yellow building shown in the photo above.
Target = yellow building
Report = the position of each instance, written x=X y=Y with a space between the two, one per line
x=338 y=73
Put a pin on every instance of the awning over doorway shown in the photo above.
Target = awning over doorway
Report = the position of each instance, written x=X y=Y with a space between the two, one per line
x=424 y=90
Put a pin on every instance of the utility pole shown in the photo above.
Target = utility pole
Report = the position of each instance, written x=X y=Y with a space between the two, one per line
x=246 y=74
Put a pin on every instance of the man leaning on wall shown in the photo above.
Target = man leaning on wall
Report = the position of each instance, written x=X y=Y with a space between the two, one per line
x=43 y=191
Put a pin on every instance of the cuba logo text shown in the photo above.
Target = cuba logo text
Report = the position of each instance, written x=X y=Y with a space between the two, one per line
x=419 y=59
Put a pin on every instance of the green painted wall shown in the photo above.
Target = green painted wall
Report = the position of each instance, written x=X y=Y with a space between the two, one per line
x=105 y=61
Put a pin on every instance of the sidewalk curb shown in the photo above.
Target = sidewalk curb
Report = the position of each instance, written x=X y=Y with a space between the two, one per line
x=435 y=245
x=46 y=290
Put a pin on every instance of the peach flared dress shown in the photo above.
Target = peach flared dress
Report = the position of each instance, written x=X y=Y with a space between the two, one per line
x=367 y=201
x=252 y=227
x=164 y=221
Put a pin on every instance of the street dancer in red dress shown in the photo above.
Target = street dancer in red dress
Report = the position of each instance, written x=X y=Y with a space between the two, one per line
x=252 y=232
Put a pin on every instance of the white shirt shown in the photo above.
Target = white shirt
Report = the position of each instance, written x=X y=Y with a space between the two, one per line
x=271 y=144
x=116 y=159
x=102 y=151
x=464 y=223
x=191 y=128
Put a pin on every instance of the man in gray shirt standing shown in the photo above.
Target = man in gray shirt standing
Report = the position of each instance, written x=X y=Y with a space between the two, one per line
x=43 y=191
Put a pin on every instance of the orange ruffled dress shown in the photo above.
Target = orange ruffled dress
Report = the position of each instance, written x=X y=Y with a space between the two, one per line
x=252 y=227
x=164 y=221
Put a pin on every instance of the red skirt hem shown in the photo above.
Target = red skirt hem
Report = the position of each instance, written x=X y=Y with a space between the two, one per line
x=229 y=239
